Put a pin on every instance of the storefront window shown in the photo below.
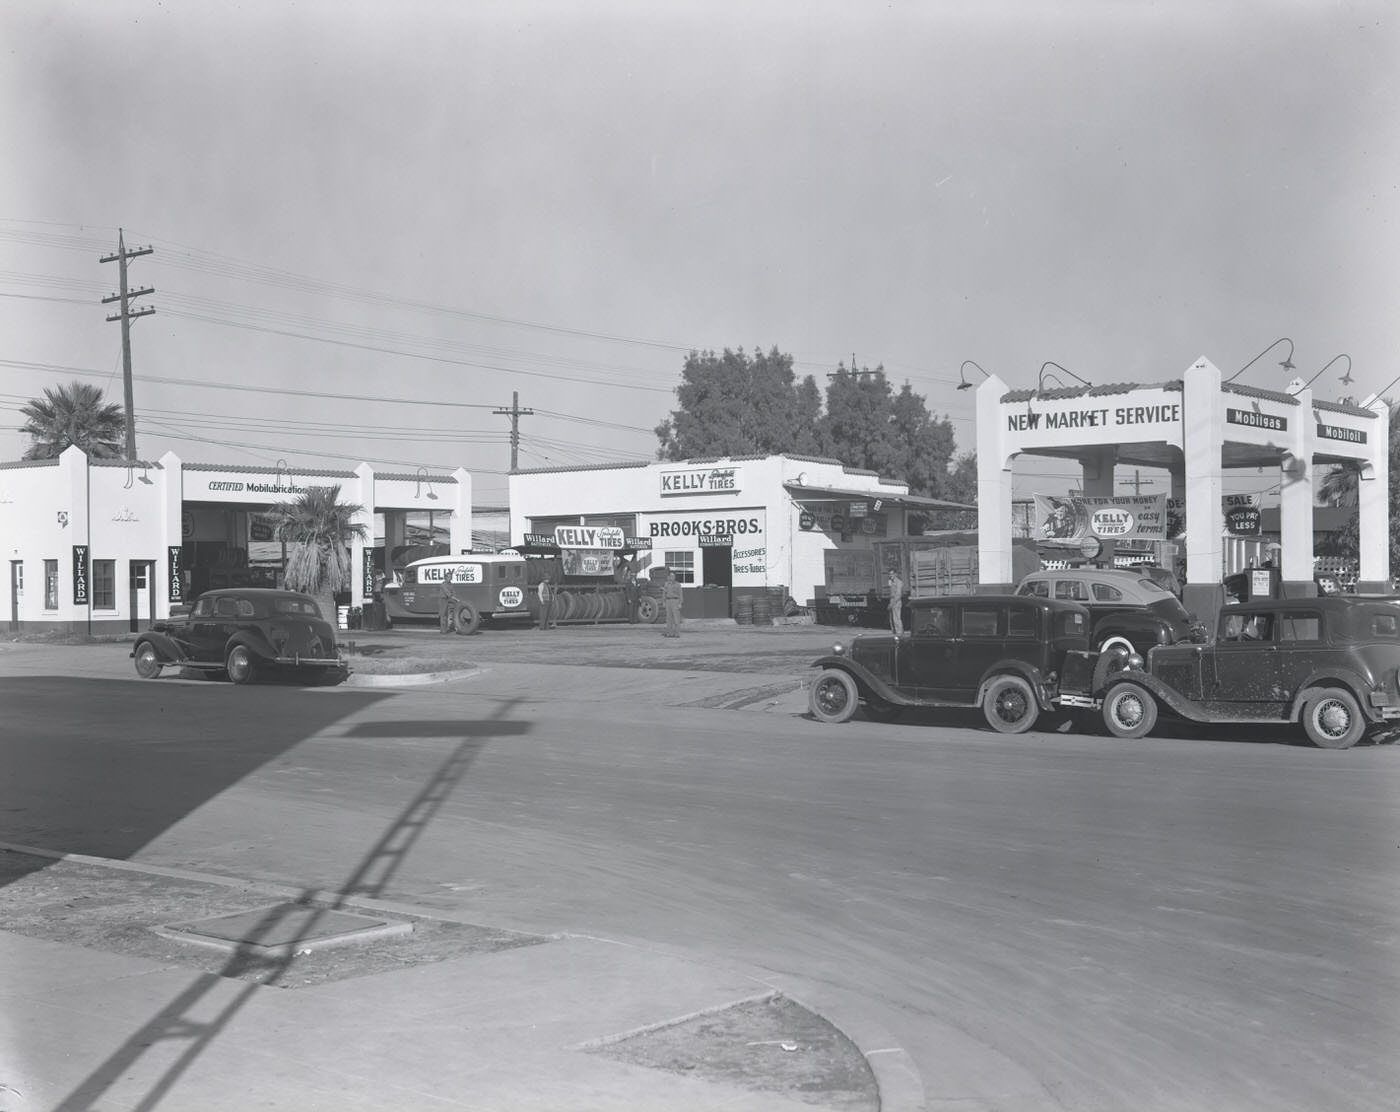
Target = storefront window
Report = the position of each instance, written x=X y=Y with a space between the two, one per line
x=50 y=584
x=626 y=522
x=104 y=584
x=682 y=564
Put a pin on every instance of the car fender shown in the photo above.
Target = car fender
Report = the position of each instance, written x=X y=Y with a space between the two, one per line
x=1144 y=630
x=166 y=646
x=1347 y=678
x=1168 y=696
x=1028 y=672
x=254 y=641
x=866 y=681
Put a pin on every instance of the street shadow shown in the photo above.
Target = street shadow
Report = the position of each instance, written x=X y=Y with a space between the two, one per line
x=179 y=1022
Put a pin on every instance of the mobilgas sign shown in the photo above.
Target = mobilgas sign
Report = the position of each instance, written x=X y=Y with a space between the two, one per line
x=1256 y=420
x=702 y=480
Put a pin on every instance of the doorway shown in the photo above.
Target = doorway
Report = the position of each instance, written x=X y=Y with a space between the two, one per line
x=141 y=598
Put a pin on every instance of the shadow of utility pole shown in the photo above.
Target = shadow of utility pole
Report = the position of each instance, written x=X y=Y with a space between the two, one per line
x=175 y=1022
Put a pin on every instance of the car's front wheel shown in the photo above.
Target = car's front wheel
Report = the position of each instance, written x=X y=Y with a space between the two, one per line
x=1010 y=706
x=647 y=609
x=240 y=665
x=148 y=663
x=834 y=696
x=1332 y=719
x=1129 y=711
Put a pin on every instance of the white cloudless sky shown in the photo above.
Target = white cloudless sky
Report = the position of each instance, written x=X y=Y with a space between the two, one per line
x=375 y=224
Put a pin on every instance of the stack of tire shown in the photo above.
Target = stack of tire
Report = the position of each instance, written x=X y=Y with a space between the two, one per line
x=743 y=610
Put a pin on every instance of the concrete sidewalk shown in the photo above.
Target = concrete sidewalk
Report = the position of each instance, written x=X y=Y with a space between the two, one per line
x=518 y=1029
x=524 y=1028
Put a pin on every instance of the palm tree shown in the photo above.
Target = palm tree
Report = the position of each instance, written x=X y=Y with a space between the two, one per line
x=319 y=530
x=1338 y=487
x=74 y=414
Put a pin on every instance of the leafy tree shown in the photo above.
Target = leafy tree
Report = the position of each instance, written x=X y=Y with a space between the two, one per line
x=868 y=425
x=734 y=404
x=319 y=529
x=73 y=414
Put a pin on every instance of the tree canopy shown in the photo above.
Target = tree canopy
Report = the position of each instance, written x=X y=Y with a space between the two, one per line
x=73 y=415
x=740 y=404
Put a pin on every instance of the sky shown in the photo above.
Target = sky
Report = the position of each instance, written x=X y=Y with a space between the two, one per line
x=374 y=225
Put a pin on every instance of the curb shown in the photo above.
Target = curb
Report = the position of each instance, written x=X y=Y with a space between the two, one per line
x=407 y=679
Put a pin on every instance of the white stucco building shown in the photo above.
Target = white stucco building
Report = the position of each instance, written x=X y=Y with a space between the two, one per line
x=109 y=546
x=742 y=522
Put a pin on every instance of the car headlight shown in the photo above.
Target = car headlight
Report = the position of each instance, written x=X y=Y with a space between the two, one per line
x=1134 y=662
x=838 y=649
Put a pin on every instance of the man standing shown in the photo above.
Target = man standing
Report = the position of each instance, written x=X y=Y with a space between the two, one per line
x=447 y=604
x=545 y=593
x=626 y=576
x=671 y=598
x=896 y=604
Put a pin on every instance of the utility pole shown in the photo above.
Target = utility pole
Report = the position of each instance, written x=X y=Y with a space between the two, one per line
x=515 y=413
x=126 y=316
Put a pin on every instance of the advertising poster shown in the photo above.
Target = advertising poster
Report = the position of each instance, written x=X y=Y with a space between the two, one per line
x=1070 y=519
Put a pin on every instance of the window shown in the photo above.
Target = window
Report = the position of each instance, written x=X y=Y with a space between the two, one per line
x=104 y=584
x=1073 y=625
x=1308 y=627
x=203 y=608
x=1020 y=622
x=933 y=621
x=1071 y=589
x=1039 y=588
x=226 y=608
x=979 y=621
x=1104 y=593
x=50 y=584
x=682 y=564
x=1382 y=625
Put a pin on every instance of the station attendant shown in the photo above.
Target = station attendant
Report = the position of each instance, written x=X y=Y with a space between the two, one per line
x=671 y=599
x=447 y=604
x=896 y=604
x=626 y=577
x=545 y=593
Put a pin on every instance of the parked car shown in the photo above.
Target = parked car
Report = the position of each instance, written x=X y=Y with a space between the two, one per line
x=1000 y=653
x=1331 y=663
x=241 y=632
x=1127 y=607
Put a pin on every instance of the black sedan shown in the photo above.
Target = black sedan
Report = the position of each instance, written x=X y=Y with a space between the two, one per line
x=241 y=632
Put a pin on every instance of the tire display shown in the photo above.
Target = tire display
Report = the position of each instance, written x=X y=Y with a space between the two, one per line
x=467 y=619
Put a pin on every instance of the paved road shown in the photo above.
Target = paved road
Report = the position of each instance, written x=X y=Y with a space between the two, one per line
x=1043 y=921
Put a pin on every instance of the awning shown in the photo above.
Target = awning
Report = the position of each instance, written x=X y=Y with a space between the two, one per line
x=802 y=493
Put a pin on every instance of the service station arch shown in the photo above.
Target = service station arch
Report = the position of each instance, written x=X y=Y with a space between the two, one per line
x=1198 y=428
